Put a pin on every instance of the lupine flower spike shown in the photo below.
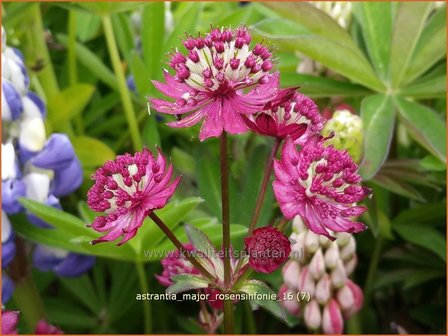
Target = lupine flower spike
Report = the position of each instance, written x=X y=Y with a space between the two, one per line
x=320 y=184
x=209 y=82
x=128 y=189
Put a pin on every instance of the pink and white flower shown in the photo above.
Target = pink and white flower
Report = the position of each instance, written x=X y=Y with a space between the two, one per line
x=128 y=189
x=212 y=80
x=320 y=184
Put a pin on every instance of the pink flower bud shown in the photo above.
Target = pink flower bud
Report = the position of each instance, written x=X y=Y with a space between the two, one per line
x=338 y=275
x=297 y=245
x=311 y=242
x=350 y=298
x=332 y=322
x=351 y=264
x=10 y=319
x=343 y=238
x=306 y=282
x=323 y=290
x=291 y=273
x=348 y=250
x=324 y=241
x=44 y=328
x=289 y=300
x=331 y=256
x=317 y=265
x=312 y=315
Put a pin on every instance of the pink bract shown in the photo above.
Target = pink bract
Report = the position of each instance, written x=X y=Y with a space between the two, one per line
x=10 y=319
x=174 y=264
x=320 y=184
x=289 y=114
x=44 y=328
x=219 y=80
x=268 y=248
x=128 y=189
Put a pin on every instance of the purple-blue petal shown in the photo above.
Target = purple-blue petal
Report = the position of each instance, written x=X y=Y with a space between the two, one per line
x=45 y=261
x=7 y=288
x=12 y=189
x=38 y=102
x=67 y=180
x=75 y=265
x=13 y=99
x=130 y=81
x=57 y=154
x=51 y=201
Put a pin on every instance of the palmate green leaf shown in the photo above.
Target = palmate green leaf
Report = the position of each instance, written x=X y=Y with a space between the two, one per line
x=123 y=33
x=69 y=233
x=92 y=152
x=87 y=26
x=408 y=26
x=258 y=287
x=153 y=32
x=142 y=75
x=426 y=88
x=82 y=287
x=424 y=125
x=422 y=235
x=92 y=63
x=431 y=46
x=106 y=8
x=60 y=313
x=151 y=134
x=421 y=277
x=378 y=116
x=319 y=87
x=376 y=21
x=428 y=214
x=397 y=186
x=314 y=20
x=343 y=59
x=65 y=105
x=431 y=163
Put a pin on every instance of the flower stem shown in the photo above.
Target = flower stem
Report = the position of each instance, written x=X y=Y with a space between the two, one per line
x=251 y=328
x=122 y=88
x=228 y=304
x=180 y=247
x=373 y=266
x=264 y=184
x=146 y=303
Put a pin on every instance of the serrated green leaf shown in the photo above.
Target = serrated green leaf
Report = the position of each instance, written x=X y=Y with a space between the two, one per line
x=142 y=75
x=432 y=163
x=424 y=125
x=68 y=103
x=92 y=152
x=378 y=115
x=186 y=282
x=426 y=88
x=260 y=288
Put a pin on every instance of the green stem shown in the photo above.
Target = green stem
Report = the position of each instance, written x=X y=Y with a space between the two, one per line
x=72 y=65
x=251 y=328
x=122 y=88
x=264 y=184
x=228 y=304
x=146 y=303
x=46 y=75
x=373 y=266
x=180 y=247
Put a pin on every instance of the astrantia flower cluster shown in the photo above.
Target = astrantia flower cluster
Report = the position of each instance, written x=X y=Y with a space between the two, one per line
x=321 y=268
x=128 y=189
x=219 y=79
x=32 y=166
x=321 y=184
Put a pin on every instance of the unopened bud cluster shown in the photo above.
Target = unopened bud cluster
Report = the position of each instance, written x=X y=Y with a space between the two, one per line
x=322 y=272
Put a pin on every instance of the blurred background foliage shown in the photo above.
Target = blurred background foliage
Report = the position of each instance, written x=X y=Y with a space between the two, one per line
x=93 y=63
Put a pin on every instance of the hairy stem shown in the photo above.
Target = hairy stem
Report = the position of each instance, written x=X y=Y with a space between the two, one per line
x=146 y=303
x=228 y=305
x=264 y=184
x=122 y=87
x=180 y=247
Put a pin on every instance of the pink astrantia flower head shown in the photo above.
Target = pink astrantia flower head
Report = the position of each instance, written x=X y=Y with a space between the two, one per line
x=212 y=79
x=320 y=184
x=10 y=319
x=267 y=248
x=44 y=328
x=127 y=190
x=288 y=114
x=174 y=264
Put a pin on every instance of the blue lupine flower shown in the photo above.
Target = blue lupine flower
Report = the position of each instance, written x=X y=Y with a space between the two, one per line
x=62 y=262
x=7 y=288
x=33 y=166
